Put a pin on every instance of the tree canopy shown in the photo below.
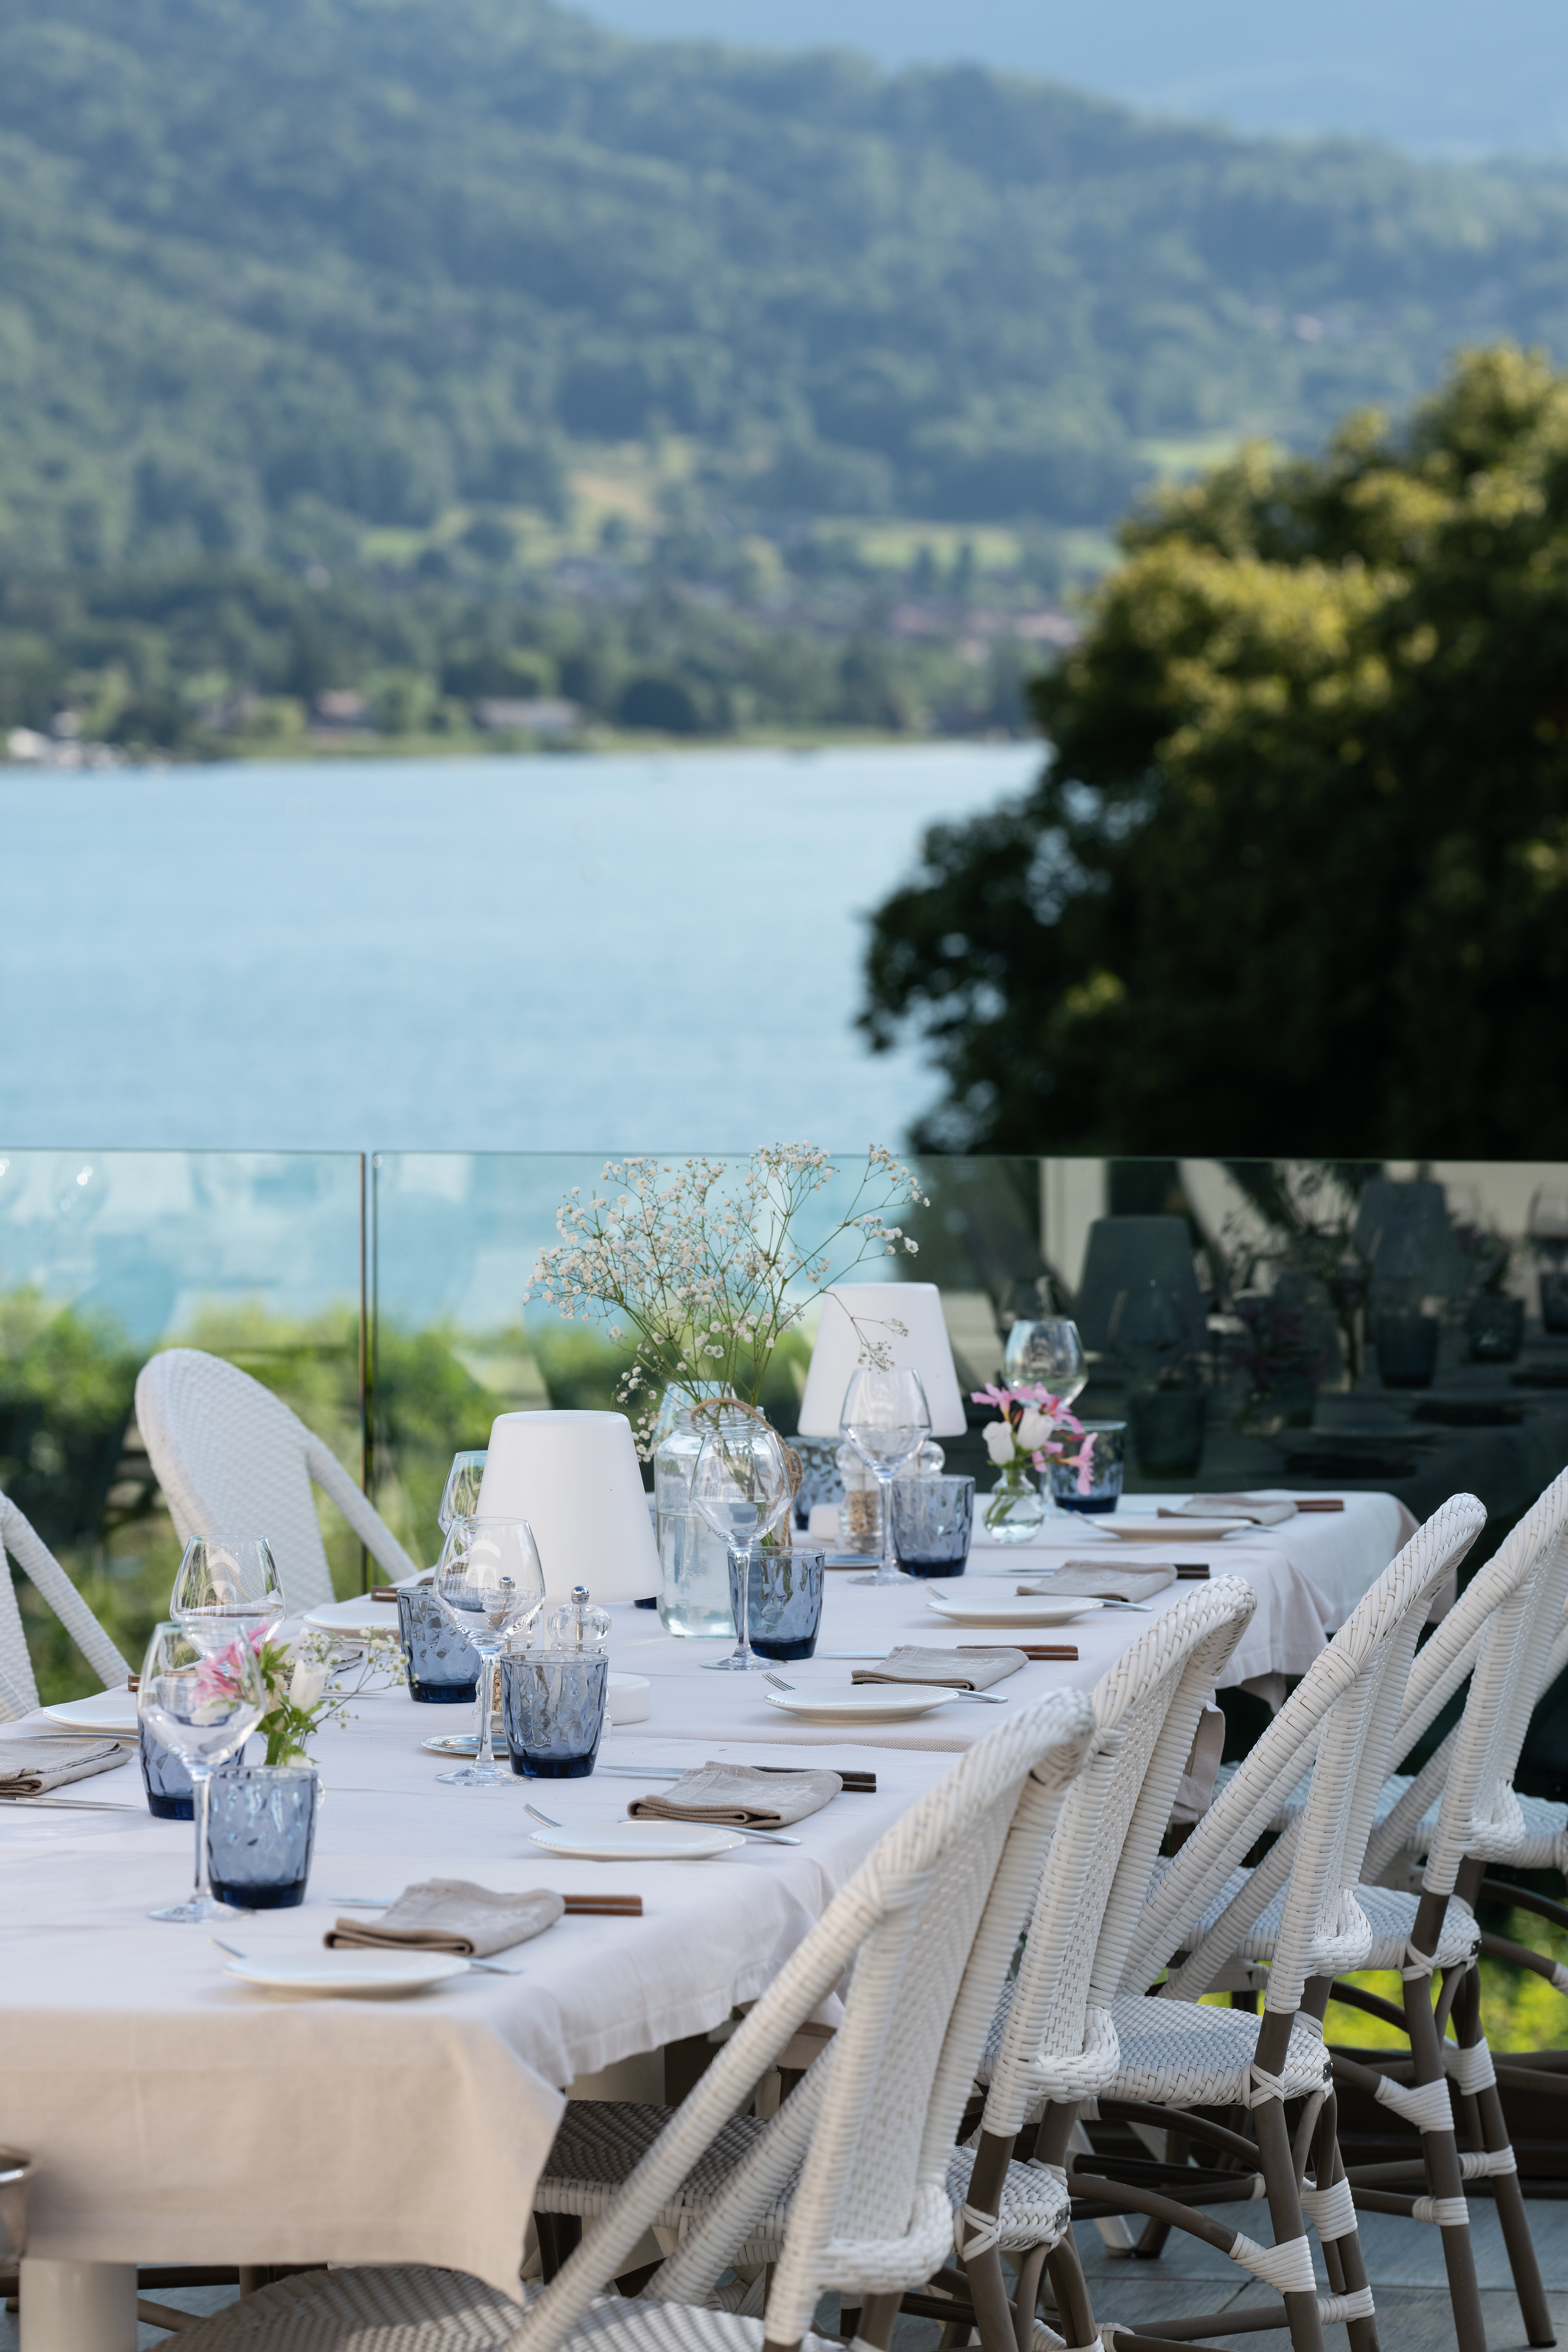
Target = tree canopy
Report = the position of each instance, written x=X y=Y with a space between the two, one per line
x=1295 y=876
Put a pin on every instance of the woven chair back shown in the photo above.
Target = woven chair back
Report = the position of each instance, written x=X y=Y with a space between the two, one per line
x=233 y=1460
x=870 y=2211
x=19 y=1688
x=1355 y=1687
x=1509 y=1613
x=1057 y=2042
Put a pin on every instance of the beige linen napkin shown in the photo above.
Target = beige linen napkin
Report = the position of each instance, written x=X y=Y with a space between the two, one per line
x=1091 y=1580
x=1259 y=1508
x=448 y=1914
x=973 y=1670
x=29 y=1767
x=740 y=1796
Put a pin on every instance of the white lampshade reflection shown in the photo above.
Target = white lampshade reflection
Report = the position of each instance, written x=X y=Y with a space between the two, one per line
x=575 y=1477
x=924 y=1347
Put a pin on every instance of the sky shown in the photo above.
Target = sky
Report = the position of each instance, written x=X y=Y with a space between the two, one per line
x=1437 y=77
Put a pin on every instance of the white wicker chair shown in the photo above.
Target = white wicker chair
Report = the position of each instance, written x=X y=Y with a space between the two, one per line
x=18 y=1690
x=1346 y=1709
x=928 y=1920
x=232 y=1458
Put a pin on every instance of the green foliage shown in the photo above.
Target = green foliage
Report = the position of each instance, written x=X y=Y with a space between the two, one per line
x=1296 y=873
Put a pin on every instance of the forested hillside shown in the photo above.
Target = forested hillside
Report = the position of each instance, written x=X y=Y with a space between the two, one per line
x=276 y=275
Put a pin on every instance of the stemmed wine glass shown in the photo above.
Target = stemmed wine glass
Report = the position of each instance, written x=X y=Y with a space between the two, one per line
x=885 y=1417
x=201 y=1694
x=229 y=1577
x=739 y=1484
x=1046 y=1352
x=460 y=1496
x=488 y=1581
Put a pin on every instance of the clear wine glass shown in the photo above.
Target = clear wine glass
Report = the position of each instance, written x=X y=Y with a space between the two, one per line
x=201 y=1694
x=739 y=1484
x=1047 y=1353
x=488 y=1580
x=460 y=1496
x=222 y=1577
x=885 y=1418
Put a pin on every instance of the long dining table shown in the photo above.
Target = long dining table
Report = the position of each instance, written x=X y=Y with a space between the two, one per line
x=178 y=2116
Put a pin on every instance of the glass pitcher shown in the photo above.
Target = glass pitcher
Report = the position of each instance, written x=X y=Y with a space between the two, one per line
x=694 y=1564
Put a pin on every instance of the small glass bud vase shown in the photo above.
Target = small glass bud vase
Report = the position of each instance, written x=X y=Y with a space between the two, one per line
x=1014 y=1508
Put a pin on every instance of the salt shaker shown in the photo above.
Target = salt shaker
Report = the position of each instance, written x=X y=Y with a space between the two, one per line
x=578 y=1625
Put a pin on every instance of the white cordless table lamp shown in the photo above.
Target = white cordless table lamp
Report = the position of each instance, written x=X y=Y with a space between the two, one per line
x=925 y=1349
x=575 y=1478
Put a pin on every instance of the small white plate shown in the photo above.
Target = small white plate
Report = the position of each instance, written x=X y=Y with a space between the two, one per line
x=630 y=1841
x=359 y=1615
x=105 y=1711
x=1026 y=1610
x=629 y=1699
x=374 y=1976
x=863 y=1702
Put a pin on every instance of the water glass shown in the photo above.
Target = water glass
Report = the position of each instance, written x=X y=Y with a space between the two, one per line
x=443 y=1665
x=261 y=1830
x=489 y=1584
x=228 y=1576
x=553 y=1707
x=202 y=1697
x=932 y=1518
x=1107 y=1464
x=885 y=1418
x=786 y=1607
x=739 y=1484
x=171 y=1792
x=460 y=1496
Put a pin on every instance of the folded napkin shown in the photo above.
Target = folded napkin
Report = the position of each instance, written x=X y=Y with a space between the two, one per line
x=740 y=1796
x=1260 y=1508
x=448 y=1914
x=972 y=1670
x=29 y=1767
x=1092 y=1580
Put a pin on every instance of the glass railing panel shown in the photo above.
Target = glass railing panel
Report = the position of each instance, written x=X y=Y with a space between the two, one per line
x=105 y=1258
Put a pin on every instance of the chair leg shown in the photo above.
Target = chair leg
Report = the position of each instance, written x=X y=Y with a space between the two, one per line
x=1345 y=2262
x=1278 y=2164
x=1439 y=2148
x=982 y=2268
x=875 y=2324
x=1493 y=2137
x=1070 y=2288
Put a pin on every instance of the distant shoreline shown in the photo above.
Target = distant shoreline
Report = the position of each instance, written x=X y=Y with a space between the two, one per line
x=97 y=759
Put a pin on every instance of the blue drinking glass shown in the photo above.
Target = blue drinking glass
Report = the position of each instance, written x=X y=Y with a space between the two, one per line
x=443 y=1665
x=171 y=1796
x=932 y=1520
x=261 y=1830
x=785 y=1601
x=552 y=1706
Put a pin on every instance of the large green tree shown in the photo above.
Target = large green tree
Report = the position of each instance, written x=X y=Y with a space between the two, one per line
x=1295 y=877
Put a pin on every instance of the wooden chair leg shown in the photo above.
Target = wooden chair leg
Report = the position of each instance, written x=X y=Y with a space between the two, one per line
x=1070 y=2288
x=1341 y=2252
x=1278 y=2164
x=1490 y=2132
x=1440 y=2149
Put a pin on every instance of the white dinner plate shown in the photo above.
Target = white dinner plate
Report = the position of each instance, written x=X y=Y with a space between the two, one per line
x=629 y=1841
x=862 y=1702
x=1024 y=1609
x=106 y=1711
x=1143 y=1526
x=359 y=1615
x=318 y=1974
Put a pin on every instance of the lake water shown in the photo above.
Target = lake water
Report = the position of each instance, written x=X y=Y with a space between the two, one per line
x=611 y=953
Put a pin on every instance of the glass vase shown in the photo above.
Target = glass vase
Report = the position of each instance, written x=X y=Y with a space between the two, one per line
x=261 y=1828
x=1014 y=1507
x=694 y=1563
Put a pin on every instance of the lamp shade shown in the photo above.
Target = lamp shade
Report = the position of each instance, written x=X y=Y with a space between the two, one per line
x=575 y=1478
x=924 y=1348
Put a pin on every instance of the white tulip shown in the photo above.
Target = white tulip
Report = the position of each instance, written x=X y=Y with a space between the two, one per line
x=306 y=1685
x=999 y=1441
x=1033 y=1428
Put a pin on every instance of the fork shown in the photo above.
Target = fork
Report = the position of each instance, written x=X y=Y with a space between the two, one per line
x=487 y=1968
x=984 y=1698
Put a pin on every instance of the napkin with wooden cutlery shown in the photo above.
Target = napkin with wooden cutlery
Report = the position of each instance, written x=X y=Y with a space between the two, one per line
x=973 y=1669
x=740 y=1796
x=1093 y=1580
x=30 y=1766
x=451 y=1914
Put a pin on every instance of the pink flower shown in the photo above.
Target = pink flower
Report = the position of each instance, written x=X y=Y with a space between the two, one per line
x=1086 y=1461
x=1000 y=1398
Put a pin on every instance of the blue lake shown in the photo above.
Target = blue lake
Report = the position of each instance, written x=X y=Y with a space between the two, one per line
x=598 y=954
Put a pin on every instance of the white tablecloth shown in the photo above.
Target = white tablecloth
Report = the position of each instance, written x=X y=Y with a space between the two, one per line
x=1309 y=1572
x=177 y=2117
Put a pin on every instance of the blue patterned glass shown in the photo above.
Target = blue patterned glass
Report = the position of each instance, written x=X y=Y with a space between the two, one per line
x=261 y=1827
x=785 y=1601
x=931 y=1522
x=552 y=1706
x=443 y=1665
x=170 y=1796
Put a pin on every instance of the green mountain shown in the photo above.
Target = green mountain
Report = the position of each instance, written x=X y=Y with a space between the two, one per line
x=267 y=268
